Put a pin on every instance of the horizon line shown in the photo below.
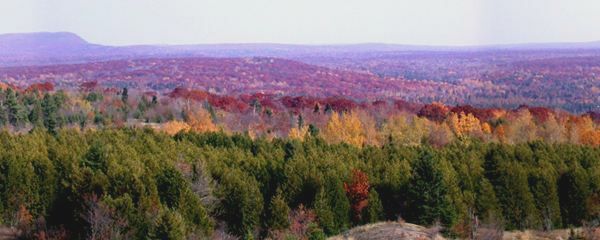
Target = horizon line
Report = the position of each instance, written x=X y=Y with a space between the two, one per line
x=491 y=45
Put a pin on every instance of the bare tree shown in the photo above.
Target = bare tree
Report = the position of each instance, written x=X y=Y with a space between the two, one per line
x=103 y=221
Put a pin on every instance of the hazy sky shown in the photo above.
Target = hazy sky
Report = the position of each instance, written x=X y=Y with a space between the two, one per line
x=428 y=22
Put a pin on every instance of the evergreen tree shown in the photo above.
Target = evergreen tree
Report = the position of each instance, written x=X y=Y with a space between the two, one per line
x=125 y=95
x=3 y=111
x=49 y=110
x=328 y=108
x=170 y=184
x=486 y=202
x=544 y=189
x=36 y=116
x=332 y=206
x=154 y=100
x=241 y=202
x=14 y=108
x=509 y=179
x=313 y=130
x=427 y=193
x=339 y=203
x=573 y=191
x=169 y=226
x=374 y=211
x=300 y=121
x=324 y=213
x=278 y=213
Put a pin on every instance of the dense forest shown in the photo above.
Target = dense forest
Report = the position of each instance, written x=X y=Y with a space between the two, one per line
x=140 y=183
x=106 y=163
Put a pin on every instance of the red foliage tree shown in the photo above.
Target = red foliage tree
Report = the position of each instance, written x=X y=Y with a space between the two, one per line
x=434 y=112
x=40 y=87
x=358 y=193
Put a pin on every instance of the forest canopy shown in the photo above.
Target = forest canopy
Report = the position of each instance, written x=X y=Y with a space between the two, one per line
x=140 y=183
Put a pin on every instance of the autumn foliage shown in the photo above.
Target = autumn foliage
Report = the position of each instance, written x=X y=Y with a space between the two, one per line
x=358 y=192
x=345 y=127
x=173 y=127
x=200 y=120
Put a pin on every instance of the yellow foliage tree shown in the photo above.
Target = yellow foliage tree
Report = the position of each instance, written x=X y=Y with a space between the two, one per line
x=345 y=128
x=580 y=129
x=440 y=134
x=298 y=133
x=552 y=131
x=522 y=128
x=407 y=130
x=173 y=127
x=200 y=121
x=464 y=124
x=372 y=135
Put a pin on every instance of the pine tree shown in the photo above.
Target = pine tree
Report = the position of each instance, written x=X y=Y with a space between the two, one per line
x=3 y=111
x=300 y=122
x=428 y=194
x=278 y=212
x=332 y=206
x=324 y=213
x=544 y=189
x=49 y=110
x=170 y=184
x=154 y=100
x=170 y=225
x=14 y=108
x=374 y=211
x=125 y=95
x=313 y=130
x=573 y=191
x=36 y=116
x=339 y=203
x=241 y=202
x=509 y=179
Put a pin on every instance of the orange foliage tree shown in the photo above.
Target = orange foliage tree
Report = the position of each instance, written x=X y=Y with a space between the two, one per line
x=358 y=193
x=173 y=127
x=201 y=121
x=464 y=124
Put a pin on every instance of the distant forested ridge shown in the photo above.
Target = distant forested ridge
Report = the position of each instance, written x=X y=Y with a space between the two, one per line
x=141 y=183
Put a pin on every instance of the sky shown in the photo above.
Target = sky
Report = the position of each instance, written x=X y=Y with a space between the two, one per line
x=418 y=22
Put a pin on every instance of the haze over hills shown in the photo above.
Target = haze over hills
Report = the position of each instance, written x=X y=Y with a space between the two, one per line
x=564 y=75
x=18 y=49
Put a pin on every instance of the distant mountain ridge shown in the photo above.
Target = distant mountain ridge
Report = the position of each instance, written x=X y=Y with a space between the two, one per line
x=19 y=49
x=14 y=42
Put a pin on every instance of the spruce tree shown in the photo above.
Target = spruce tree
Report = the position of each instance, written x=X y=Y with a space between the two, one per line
x=544 y=189
x=339 y=203
x=374 y=210
x=36 y=116
x=169 y=225
x=278 y=212
x=573 y=188
x=14 y=108
x=125 y=95
x=241 y=202
x=428 y=194
x=3 y=111
x=325 y=215
x=49 y=110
